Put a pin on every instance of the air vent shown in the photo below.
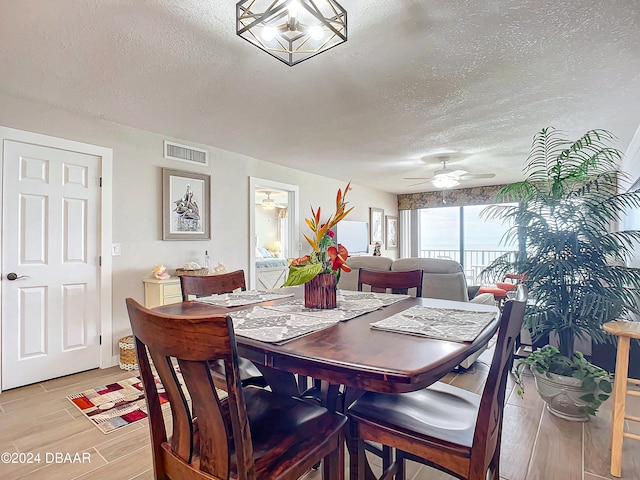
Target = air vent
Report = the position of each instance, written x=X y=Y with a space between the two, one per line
x=175 y=151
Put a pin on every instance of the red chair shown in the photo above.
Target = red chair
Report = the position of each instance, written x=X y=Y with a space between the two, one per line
x=500 y=289
x=511 y=282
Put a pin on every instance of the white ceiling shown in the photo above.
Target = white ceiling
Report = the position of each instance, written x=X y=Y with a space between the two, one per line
x=415 y=76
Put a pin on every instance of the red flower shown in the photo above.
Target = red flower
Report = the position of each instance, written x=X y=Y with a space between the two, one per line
x=338 y=257
x=331 y=233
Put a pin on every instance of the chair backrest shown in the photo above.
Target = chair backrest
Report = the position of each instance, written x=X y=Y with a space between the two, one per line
x=212 y=284
x=398 y=282
x=442 y=278
x=487 y=434
x=200 y=441
x=349 y=280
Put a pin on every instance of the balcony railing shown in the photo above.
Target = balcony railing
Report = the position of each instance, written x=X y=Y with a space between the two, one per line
x=473 y=263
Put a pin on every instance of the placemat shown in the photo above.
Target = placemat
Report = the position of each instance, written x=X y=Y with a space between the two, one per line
x=246 y=297
x=272 y=326
x=440 y=323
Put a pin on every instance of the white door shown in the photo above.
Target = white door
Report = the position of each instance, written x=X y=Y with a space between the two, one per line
x=50 y=230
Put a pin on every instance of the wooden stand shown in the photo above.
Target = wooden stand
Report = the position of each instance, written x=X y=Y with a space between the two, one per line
x=625 y=331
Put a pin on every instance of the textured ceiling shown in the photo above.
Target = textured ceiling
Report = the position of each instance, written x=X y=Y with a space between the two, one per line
x=415 y=77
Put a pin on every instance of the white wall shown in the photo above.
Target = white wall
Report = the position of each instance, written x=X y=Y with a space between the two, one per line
x=137 y=196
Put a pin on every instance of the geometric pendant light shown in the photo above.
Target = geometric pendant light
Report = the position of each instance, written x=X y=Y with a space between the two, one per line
x=292 y=30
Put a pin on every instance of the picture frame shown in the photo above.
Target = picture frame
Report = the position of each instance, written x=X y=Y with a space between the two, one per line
x=376 y=225
x=186 y=205
x=391 y=230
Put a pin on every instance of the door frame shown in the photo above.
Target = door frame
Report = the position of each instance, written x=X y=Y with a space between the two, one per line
x=294 y=229
x=105 y=222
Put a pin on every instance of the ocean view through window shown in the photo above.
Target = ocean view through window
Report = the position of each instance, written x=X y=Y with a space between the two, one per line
x=460 y=234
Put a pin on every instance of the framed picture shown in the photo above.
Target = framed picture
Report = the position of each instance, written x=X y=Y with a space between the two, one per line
x=186 y=205
x=391 y=228
x=376 y=225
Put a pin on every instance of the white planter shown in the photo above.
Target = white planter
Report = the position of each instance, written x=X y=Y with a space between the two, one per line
x=562 y=395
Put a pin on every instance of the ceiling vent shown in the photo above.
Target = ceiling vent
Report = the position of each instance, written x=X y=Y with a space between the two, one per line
x=175 y=151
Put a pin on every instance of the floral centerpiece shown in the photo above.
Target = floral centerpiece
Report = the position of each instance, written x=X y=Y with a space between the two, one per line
x=320 y=270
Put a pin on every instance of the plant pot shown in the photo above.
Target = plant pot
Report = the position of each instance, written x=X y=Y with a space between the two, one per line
x=320 y=291
x=562 y=395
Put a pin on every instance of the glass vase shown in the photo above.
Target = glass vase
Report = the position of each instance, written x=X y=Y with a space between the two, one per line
x=320 y=291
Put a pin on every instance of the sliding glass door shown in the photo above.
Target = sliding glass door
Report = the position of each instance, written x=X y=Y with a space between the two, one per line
x=460 y=234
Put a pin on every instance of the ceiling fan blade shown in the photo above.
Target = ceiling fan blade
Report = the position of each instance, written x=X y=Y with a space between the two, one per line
x=470 y=176
x=417 y=178
x=419 y=183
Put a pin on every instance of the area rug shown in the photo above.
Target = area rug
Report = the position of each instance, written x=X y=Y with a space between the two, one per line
x=116 y=405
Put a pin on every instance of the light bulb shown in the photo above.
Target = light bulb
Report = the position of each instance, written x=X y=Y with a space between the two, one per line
x=316 y=32
x=269 y=33
x=294 y=8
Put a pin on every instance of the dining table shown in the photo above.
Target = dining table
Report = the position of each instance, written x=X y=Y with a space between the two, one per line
x=349 y=357
x=351 y=353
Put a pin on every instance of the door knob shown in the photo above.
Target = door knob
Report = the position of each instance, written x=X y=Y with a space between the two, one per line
x=14 y=276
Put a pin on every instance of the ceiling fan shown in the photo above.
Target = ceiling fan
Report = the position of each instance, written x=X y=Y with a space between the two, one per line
x=446 y=178
x=269 y=203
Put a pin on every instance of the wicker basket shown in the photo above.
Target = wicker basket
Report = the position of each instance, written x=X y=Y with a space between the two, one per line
x=194 y=273
x=128 y=360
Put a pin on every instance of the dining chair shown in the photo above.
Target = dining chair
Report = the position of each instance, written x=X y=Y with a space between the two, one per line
x=199 y=286
x=251 y=434
x=211 y=284
x=442 y=426
x=398 y=282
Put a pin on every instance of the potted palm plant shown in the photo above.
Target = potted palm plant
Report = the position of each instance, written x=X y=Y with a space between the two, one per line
x=572 y=260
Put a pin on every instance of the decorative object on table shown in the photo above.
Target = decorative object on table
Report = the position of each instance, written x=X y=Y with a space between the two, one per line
x=376 y=249
x=325 y=261
x=571 y=263
x=391 y=229
x=127 y=353
x=160 y=272
x=192 y=268
x=292 y=30
x=376 y=225
x=186 y=208
x=219 y=269
x=206 y=260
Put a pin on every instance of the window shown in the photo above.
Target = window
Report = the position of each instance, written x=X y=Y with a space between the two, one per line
x=460 y=234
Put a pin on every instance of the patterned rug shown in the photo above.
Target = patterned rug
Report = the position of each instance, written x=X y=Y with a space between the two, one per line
x=116 y=405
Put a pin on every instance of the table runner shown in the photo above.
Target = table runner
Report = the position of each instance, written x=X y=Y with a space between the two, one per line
x=439 y=323
x=286 y=321
x=246 y=297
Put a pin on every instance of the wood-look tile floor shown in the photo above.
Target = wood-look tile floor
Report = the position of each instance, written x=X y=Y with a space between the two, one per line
x=535 y=446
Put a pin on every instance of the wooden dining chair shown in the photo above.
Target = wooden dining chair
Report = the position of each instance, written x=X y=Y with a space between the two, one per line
x=398 y=282
x=442 y=426
x=214 y=285
x=251 y=434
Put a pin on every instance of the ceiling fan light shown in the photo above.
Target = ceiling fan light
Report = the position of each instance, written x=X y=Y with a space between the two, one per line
x=445 y=181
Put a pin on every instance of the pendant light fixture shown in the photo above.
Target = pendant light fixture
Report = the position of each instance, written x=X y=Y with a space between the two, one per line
x=292 y=30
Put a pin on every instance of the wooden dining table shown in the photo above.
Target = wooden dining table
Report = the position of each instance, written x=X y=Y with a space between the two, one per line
x=351 y=353
x=349 y=357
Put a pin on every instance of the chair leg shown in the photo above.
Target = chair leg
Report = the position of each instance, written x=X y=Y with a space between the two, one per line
x=402 y=467
x=355 y=445
x=494 y=465
x=333 y=464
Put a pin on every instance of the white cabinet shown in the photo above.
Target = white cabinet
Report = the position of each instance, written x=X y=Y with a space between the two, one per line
x=161 y=292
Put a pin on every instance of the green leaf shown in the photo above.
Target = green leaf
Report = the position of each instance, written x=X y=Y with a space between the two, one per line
x=603 y=397
x=605 y=386
x=589 y=398
x=300 y=274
